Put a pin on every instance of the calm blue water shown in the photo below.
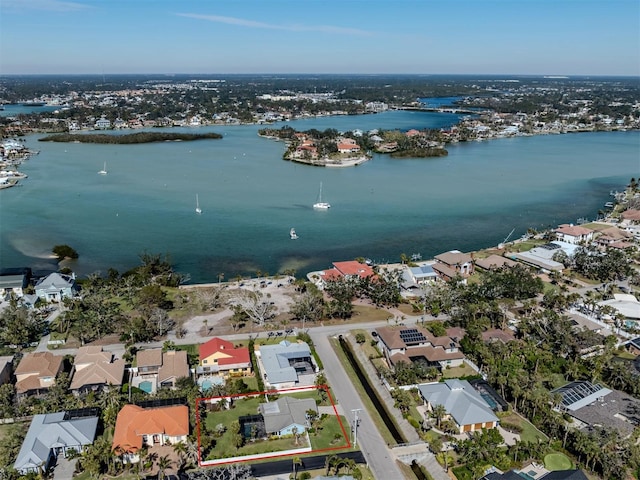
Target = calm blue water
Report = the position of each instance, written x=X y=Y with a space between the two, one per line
x=251 y=198
x=14 y=110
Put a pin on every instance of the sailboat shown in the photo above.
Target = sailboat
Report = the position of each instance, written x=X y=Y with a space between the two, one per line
x=104 y=169
x=198 y=209
x=320 y=205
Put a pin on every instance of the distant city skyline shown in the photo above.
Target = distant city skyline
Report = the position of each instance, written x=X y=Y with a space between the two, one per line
x=536 y=37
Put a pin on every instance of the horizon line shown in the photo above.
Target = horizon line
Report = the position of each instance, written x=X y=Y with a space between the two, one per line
x=550 y=75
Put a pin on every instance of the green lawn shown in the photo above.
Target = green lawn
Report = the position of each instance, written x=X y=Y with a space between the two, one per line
x=463 y=370
x=382 y=428
x=557 y=461
x=529 y=432
x=326 y=436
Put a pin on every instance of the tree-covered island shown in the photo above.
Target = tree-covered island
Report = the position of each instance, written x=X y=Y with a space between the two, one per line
x=131 y=138
x=331 y=148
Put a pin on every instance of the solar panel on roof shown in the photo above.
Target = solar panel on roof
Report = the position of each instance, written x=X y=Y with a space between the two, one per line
x=412 y=335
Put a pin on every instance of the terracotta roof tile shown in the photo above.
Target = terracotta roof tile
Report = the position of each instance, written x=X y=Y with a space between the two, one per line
x=134 y=421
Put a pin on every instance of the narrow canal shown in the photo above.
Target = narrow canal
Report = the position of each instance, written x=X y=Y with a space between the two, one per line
x=377 y=403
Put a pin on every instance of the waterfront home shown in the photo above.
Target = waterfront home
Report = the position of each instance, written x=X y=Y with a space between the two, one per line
x=340 y=270
x=286 y=364
x=452 y=264
x=95 y=369
x=462 y=403
x=221 y=358
x=37 y=372
x=494 y=262
x=541 y=257
x=55 y=434
x=137 y=426
x=573 y=234
x=347 y=145
x=102 y=124
x=55 y=287
x=13 y=285
x=418 y=345
x=157 y=369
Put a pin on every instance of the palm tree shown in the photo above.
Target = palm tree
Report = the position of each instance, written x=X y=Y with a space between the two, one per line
x=438 y=412
x=163 y=464
x=296 y=462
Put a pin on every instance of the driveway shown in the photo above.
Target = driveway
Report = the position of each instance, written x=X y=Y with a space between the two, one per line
x=64 y=469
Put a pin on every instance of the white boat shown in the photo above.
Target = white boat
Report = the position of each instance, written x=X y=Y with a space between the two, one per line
x=293 y=234
x=198 y=209
x=104 y=169
x=320 y=205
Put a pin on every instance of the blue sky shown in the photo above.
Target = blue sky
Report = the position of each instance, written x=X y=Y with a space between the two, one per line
x=551 y=37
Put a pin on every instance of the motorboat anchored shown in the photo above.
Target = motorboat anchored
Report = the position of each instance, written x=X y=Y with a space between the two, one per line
x=292 y=234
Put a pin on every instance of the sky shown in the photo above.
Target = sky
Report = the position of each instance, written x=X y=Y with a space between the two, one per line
x=526 y=37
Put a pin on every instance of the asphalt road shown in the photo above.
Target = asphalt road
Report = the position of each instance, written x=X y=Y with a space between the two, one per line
x=376 y=451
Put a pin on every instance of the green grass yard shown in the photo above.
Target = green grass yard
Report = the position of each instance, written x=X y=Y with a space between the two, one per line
x=557 y=461
x=329 y=435
x=529 y=432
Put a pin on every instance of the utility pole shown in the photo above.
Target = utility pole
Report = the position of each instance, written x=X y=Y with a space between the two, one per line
x=356 y=421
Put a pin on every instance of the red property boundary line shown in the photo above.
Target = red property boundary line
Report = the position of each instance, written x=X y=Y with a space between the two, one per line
x=271 y=392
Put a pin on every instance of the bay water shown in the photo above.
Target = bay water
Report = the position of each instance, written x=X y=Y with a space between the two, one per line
x=250 y=198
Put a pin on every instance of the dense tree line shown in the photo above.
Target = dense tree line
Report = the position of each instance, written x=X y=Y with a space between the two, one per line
x=131 y=138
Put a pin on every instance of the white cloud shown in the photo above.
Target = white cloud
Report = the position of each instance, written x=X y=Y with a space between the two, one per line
x=47 y=5
x=269 y=26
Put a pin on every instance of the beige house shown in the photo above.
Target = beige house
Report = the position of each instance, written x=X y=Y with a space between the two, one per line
x=37 y=372
x=454 y=263
x=157 y=369
x=573 y=234
x=418 y=345
x=95 y=369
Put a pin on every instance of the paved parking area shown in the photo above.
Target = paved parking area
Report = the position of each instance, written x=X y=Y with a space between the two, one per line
x=64 y=469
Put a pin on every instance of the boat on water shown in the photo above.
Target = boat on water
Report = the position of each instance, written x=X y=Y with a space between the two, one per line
x=104 y=169
x=609 y=205
x=320 y=205
x=292 y=234
x=33 y=104
x=198 y=209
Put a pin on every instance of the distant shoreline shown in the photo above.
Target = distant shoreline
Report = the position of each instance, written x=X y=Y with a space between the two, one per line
x=130 y=138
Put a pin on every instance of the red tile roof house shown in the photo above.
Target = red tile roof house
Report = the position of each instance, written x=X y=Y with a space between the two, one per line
x=452 y=264
x=137 y=426
x=573 y=234
x=347 y=145
x=344 y=270
x=416 y=344
x=220 y=357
